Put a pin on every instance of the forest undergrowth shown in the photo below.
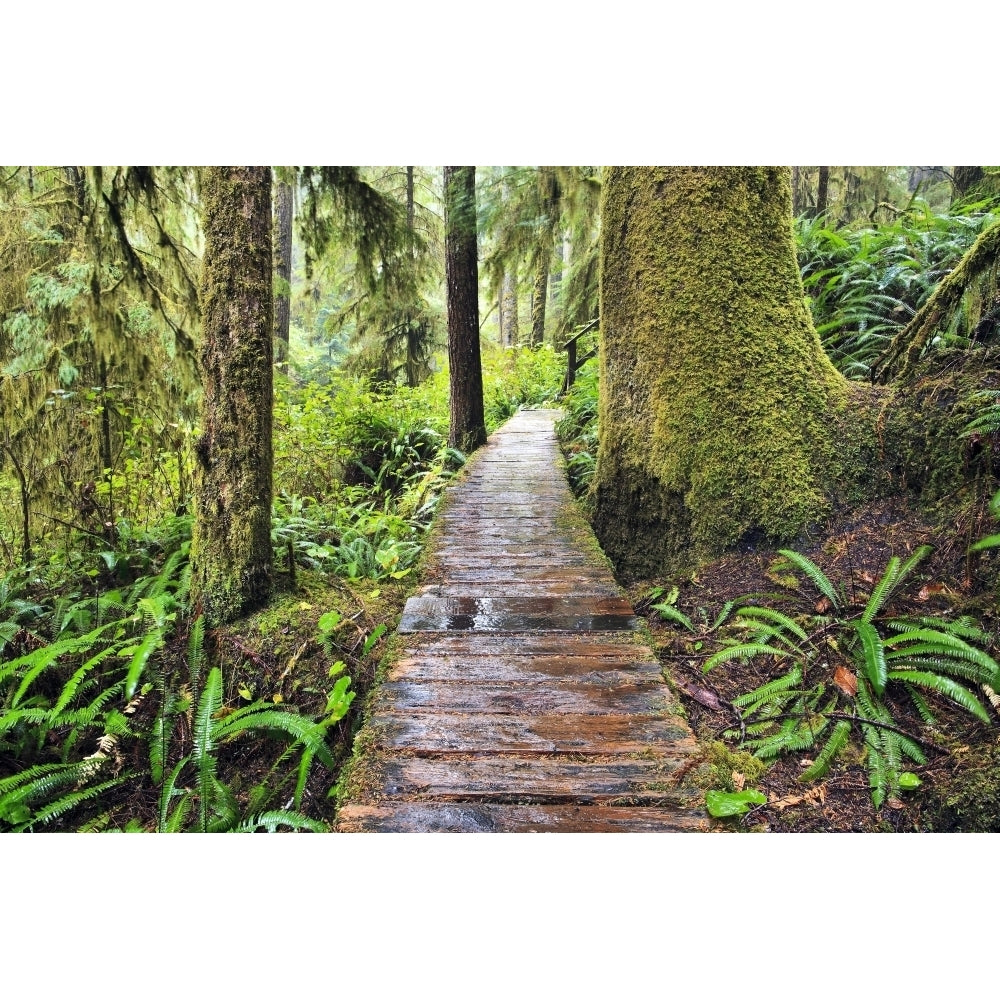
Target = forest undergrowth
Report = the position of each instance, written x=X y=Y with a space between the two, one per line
x=846 y=679
x=120 y=710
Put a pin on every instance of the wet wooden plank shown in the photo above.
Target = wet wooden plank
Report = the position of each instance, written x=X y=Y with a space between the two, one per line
x=521 y=779
x=529 y=778
x=414 y=817
x=440 y=733
x=527 y=707
x=541 y=694
x=524 y=670
x=611 y=646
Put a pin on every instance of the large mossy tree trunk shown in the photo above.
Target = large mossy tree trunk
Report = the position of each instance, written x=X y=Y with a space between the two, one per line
x=719 y=409
x=461 y=260
x=231 y=552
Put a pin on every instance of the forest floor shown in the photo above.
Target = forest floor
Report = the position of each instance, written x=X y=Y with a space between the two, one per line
x=958 y=781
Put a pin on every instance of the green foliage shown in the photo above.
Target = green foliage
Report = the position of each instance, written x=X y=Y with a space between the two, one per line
x=74 y=690
x=842 y=663
x=865 y=283
x=722 y=804
x=519 y=378
x=578 y=429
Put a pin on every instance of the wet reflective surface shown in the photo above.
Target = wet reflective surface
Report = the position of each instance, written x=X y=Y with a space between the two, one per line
x=522 y=697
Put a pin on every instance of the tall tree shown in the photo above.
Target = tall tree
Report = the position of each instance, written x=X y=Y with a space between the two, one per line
x=715 y=391
x=283 y=208
x=722 y=420
x=231 y=550
x=468 y=421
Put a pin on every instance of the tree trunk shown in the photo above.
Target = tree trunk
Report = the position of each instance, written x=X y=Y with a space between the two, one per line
x=719 y=409
x=822 y=195
x=964 y=179
x=231 y=552
x=282 y=270
x=508 y=310
x=538 y=298
x=468 y=422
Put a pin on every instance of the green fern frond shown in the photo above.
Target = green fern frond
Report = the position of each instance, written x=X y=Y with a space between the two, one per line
x=270 y=821
x=945 y=686
x=166 y=793
x=67 y=802
x=820 y=580
x=767 y=692
x=722 y=615
x=825 y=757
x=926 y=640
x=920 y=703
x=873 y=655
x=204 y=742
x=771 y=615
x=151 y=643
x=196 y=648
x=670 y=613
x=882 y=590
x=305 y=731
x=744 y=651
x=989 y=542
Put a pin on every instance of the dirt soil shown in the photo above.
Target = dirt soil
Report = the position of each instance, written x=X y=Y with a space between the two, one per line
x=959 y=780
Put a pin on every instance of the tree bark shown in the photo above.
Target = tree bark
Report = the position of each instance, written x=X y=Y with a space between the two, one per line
x=231 y=551
x=964 y=179
x=717 y=400
x=822 y=195
x=538 y=298
x=468 y=422
x=282 y=270
x=508 y=309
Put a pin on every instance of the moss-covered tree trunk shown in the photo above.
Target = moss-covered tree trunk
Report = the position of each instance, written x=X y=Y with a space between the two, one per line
x=232 y=534
x=461 y=265
x=539 y=296
x=717 y=400
x=508 y=309
x=282 y=268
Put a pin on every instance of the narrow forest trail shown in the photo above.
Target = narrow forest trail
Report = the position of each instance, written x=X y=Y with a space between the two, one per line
x=523 y=696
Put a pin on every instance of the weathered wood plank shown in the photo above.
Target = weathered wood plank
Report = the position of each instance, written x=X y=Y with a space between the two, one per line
x=520 y=779
x=441 y=732
x=524 y=698
x=540 y=695
x=414 y=817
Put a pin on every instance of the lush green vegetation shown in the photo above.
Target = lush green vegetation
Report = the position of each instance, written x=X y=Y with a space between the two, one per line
x=859 y=668
x=123 y=707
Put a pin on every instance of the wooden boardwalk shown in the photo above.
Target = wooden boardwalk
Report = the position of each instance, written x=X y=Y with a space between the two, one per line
x=523 y=697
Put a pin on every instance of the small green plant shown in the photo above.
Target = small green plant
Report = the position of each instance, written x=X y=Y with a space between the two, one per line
x=840 y=662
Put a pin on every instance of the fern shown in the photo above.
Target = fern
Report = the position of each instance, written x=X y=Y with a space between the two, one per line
x=836 y=742
x=815 y=574
x=270 y=821
x=670 y=613
x=742 y=651
x=204 y=742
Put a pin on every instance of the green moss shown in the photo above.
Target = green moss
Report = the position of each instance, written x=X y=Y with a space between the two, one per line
x=968 y=800
x=715 y=391
x=723 y=762
x=231 y=547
